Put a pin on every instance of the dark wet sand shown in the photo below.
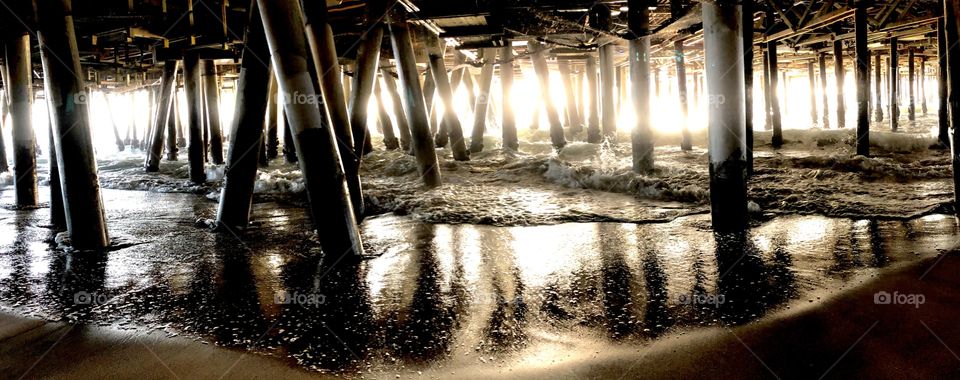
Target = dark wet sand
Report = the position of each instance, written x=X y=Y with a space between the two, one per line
x=844 y=335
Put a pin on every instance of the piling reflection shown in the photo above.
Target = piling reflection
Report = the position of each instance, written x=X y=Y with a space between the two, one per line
x=448 y=292
x=325 y=321
x=76 y=285
x=616 y=283
x=503 y=311
x=423 y=331
x=657 y=317
x=748 y=286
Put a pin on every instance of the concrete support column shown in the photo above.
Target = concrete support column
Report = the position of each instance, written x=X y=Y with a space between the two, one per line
x=543 y=76
x=723 y=54
x=327 y=68
x=167 y=85
x=318 y=156
x=416 y=111
x=509 y=121
x=246 y=136
x=365 y=76
x=894 y=83
x=77 y=165
x=593 y=101
x=686 y=142
x=641 y=136
x=483 y=101
x=211 y=94
x=21 y=113
x=863 y=81
x=450 y=120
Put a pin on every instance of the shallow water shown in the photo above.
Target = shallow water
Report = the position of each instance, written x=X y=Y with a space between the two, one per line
x=816 y=173
x=432 y=295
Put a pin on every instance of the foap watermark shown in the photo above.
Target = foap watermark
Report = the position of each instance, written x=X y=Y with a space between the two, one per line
x=90 y=298
x=703 y=299
x=284 y=297
x=897 y=298
x=300 y=98
x=715 y=101
x=81 y=98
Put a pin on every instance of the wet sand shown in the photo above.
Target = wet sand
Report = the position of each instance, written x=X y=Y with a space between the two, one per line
x=480 y=300
x=844 y=335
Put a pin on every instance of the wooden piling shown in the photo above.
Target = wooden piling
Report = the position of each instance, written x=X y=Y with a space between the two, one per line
x=508 y=123
x=327 y=70
x=952 y=40
x=943 y=114
x=747 y=12
x=723 y=48
x=574 y=125
x=70 y=117
x=641 y=135
x=543 y=76
x=21 y=113
x=246 y=136
x=483 y=101
x=767 y=110
x=318 y=155
x=812 y=78
x=167 y=85
x=58 y=217
x=450 y=120
x=923 y=86
x=191 y=84
x=686 y=142
x=608 y=113
x=211 y=94
x=593 y=101
x=173 y=126
x=863 y=81
x=894 y=84
x=416 y=111
x=4 y=165
x=912 y=80
x=390 y=141
x=878 y=102
x=839 y=72
x=390 y=86
x=365 y=76
x=775 y=118
x=822 y=62
x=272 y=119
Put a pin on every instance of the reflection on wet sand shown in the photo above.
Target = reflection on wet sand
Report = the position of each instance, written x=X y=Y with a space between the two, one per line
x=444 y=293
